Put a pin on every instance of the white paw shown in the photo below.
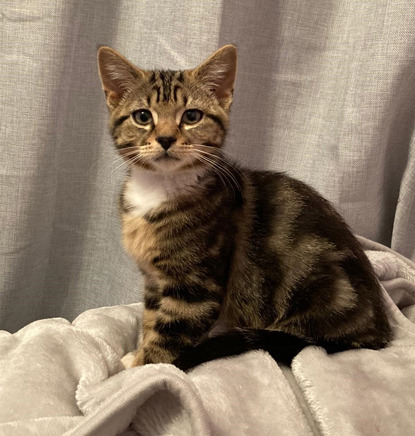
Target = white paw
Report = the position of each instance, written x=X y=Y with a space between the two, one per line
x=128 y=359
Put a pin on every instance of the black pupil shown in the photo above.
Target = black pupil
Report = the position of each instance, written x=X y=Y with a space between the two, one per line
x=191 y=116
x=144 y=116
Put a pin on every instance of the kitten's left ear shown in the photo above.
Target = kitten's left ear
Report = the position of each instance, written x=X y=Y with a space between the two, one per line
x=117 y=74
x=219 y=72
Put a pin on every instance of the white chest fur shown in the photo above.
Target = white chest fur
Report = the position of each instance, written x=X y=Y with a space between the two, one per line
x=146 y=190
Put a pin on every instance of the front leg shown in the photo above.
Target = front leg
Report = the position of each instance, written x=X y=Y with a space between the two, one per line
x=177 y=320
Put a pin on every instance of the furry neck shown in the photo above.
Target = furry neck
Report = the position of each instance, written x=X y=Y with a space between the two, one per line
x=146 y=190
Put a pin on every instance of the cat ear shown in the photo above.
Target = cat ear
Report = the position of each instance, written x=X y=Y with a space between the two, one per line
x=219 y=72
x=118 y=75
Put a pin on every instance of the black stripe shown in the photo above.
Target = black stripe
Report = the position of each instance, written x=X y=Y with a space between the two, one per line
x=154 y=218
x=166 y=85
x=178 y=328
x=190 y=293
x=180 y=77
x=174 y=345
x=152 y=78
x=151 y=302
x=121 y=200
x=158 y=94
x=166 y=94
x=152 y=289
x=217 y=120
x=118 y=122
x=175 y=328
x=184 y=101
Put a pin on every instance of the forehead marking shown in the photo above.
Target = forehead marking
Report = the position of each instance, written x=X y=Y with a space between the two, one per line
x=166 y=85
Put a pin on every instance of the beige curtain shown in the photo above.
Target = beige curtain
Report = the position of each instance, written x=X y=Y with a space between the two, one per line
x=325 y=92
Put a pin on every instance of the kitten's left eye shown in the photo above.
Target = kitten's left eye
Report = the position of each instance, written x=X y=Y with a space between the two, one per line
x=192 y=116
x=142 y=116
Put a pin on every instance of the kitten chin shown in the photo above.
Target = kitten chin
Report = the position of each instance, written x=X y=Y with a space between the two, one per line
x=167 y=164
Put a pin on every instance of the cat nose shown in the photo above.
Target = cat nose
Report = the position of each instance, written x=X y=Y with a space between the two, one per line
x=166 y=141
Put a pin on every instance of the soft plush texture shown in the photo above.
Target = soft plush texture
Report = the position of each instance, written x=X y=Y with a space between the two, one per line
x=58 y=377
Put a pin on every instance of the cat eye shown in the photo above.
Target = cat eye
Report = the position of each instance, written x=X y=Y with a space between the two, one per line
x=192 y=116
x=142 y=116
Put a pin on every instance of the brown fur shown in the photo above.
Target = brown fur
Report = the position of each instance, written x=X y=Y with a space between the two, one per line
x=258 y=249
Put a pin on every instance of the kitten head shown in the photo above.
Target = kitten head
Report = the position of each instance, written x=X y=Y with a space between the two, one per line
x=168 y=121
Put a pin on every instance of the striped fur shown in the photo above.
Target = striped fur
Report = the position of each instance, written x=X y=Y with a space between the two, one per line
x=258 y=250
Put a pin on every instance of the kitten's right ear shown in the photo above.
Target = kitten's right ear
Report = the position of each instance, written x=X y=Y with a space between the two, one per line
x=118 y=75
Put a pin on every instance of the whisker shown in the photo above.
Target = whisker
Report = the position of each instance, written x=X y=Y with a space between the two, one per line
x=124 y=164
x=218 y=155
x=214 y=168
x=221 y=163
x=222 y=152
x=220 y=170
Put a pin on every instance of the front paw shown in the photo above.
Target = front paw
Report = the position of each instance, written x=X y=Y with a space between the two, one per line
x=132 y=360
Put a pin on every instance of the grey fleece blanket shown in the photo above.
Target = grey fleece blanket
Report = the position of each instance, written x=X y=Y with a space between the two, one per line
x=61 y=378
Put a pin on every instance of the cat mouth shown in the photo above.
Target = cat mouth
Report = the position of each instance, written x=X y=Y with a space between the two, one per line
x=166 y=157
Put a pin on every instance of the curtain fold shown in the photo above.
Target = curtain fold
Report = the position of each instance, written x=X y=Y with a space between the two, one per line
x=325 y=92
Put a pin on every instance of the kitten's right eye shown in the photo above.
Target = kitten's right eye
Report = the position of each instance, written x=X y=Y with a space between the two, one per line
x=142 y=116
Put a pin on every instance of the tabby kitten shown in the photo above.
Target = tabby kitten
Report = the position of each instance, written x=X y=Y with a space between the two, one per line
x=259 y=251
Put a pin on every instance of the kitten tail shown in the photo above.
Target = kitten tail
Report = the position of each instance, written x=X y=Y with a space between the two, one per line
x=283 y=347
